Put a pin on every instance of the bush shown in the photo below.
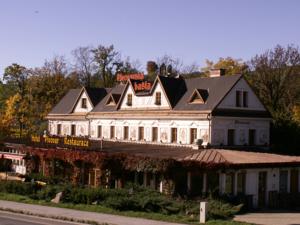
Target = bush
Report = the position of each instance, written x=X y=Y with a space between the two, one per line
x=127 y=199
x=16 y=187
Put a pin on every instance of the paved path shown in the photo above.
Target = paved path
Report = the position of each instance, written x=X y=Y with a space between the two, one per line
x=7 y=218
x=78 y=215
x=270 y=218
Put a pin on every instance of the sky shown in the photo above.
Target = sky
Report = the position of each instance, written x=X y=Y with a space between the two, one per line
x=192 y=30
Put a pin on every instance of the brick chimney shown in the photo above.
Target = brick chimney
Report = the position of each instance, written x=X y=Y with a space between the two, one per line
x=216 y=72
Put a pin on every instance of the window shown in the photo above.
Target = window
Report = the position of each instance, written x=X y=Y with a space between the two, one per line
x=283 y=181
x=245 y=99
x=154 y=134
x=129 y=99
x=58 y=129
x=173 y=135
x=83 y=103
x=238 y=99
x=230 y=137
x=251 y=137
x=126 y=132
x=112 y=132
x=99 y=131
x=141 y=133
x=294 y=181
x=193 y=135
x=73 y=130
x=241 y=183
x=229 y=185
x=157 y=98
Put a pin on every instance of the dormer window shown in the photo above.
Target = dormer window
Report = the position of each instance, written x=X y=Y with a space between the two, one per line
x=129 y=99
x=158 y=98
x=83 y=103
x=241 y=99
x=199 y=96
x=245 y=99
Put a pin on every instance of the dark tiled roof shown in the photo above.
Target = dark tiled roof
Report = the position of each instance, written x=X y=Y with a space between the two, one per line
x=116 y=92
x=174 y=88
x=96 y=94
x=217 y=88
x=66 y=104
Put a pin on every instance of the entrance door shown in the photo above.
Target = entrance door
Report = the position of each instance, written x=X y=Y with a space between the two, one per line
x=262 y=189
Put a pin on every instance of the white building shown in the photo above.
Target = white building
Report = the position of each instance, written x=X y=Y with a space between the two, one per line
x=222 y=111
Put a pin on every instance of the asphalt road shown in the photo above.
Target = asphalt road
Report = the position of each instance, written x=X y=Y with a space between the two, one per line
x=7 y=218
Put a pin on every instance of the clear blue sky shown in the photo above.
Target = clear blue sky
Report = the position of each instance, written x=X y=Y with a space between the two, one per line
x=193 y=30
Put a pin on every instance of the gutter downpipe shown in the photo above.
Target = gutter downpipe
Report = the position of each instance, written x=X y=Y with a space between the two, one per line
x=209 y=116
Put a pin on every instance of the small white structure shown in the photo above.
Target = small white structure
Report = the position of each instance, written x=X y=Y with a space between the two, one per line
x=203 y=211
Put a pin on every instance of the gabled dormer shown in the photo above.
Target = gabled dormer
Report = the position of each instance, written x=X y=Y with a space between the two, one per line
x=113 y=99
x=141 y=95
x=83 y=103
x=199 y=96
x=241 y=97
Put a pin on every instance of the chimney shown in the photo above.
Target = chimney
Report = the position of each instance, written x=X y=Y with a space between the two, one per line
x=216 y=72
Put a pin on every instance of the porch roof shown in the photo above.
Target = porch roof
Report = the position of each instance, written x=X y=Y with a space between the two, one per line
x=242 y=158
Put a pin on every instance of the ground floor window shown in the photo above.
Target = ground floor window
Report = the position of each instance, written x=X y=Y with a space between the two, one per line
x=58 y=129
x=252 y=137
x=126 y=132
x=174 y=135
x=229 y=183
x=241 y=183
x=154 y=134
x=230 y=137
x=141 y=133
x=212 y=182
x=294 y=181
x=283 y=181
x=99 y=131
x=112 y=132
x=73 y=130
x=193 y=135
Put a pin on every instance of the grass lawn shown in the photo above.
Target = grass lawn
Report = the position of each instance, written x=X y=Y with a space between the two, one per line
x=99 y=208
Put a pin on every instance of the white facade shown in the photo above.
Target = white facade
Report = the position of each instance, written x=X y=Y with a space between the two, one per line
x=252 y=182
x=229 y=101
x=88 y=105
x=213 y=130
x=145 y=102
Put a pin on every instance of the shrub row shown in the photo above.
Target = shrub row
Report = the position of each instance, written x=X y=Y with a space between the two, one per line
x=133 y=198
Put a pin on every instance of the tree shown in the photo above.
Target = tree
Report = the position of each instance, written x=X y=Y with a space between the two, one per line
x=175 y=63
x=275 y=77
x=108 y=62
x=152 y=68
x=232 y=66
x=84 y=64
x=18 y=75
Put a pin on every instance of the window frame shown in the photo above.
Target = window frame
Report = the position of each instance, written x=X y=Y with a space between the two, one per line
x=155 y=131
x=174 y=137
x=126 y=133
x=73 y=129
x=141 y=132
x=58 y=129
x=84 y=103
x=158 y=98
x=129 y=99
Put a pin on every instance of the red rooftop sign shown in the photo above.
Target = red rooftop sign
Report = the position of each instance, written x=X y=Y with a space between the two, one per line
x=142 y=86
x=133 y=76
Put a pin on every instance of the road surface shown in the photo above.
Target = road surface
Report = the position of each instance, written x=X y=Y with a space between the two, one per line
x=7 y=218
